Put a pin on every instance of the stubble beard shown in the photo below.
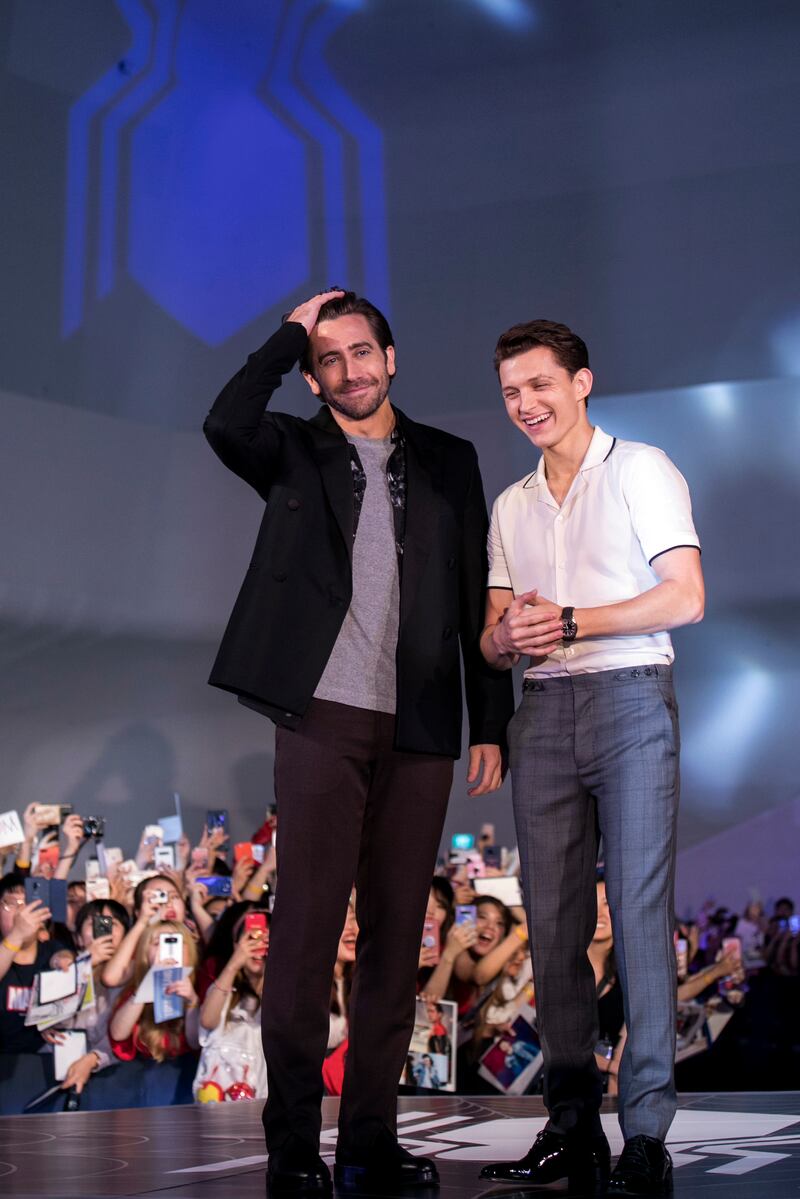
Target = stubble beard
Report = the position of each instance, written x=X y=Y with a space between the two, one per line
x=361 y=407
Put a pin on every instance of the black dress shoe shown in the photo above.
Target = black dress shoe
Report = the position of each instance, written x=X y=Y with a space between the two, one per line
x=644 y=1168
x=296 y=1168
x=383 y=1165
x=583 y=1160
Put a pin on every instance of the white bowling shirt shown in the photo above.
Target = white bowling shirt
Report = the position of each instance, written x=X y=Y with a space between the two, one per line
x=627 y=505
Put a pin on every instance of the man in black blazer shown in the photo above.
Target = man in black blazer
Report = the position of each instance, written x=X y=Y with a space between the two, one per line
x=368 y=570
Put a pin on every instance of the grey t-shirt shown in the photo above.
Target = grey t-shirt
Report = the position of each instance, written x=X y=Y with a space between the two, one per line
x=361 y=669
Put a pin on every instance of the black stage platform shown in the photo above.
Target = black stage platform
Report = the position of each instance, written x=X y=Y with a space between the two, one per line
x=737 y=1145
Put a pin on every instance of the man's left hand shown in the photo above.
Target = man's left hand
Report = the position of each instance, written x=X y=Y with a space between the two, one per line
x=486 y=763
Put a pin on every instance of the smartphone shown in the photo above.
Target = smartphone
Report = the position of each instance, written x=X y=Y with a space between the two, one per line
x=53 y=894
x=158 y=895
x=732 y=945
x=48 y=814
x=466 y=913
x=256 y=923
x=200 y=858
x=217 y=818
x=164 y=855
x=102 y=926
x=49 y=855
x=682 y=956
x=462 y=841
x=259 y=853
x=794 y=925
x=492 y=856
x=431 y=938
x=217 y=885
x=153 y=833
x=244 y=849
x=170 y=948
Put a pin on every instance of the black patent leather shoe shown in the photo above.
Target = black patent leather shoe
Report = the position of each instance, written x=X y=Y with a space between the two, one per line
x=382 y=1166
x=584 y=1161
x=644 y=1168
x=296 y=1168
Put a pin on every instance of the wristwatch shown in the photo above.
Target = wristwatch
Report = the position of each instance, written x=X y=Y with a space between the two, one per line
x=569 y=629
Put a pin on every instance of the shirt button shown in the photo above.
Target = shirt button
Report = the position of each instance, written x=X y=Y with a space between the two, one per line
x=451 y=563
x=280 y=576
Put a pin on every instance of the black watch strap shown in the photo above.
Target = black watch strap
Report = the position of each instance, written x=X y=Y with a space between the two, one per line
x=569 y=629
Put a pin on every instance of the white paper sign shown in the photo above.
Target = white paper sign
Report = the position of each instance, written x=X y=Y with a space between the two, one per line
x=71 y=1049
x=11 y=831
x=57 y=984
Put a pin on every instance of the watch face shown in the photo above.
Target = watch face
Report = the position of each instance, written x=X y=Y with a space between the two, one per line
x=569 y=630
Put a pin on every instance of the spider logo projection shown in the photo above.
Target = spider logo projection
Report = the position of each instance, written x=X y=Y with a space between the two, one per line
x=217 y=156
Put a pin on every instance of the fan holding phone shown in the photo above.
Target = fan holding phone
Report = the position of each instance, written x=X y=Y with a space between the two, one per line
x=232 y=1063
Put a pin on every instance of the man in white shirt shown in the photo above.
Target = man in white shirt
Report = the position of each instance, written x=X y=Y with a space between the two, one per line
x=592 y=559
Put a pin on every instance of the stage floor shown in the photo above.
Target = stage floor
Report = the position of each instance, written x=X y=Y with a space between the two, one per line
x=737 y=1145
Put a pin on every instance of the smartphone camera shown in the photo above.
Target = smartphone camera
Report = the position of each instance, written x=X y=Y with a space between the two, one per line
x=159 y=896
x=94 y=826
x=102 y=926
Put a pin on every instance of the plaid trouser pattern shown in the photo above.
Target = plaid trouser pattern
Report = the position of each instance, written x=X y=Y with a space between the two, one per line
x=597 y=754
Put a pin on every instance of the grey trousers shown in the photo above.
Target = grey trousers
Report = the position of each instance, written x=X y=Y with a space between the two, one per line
x=598 y=754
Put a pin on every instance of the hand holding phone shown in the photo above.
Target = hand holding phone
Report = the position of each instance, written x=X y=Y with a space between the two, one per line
x=170 y=949
x=466 y=913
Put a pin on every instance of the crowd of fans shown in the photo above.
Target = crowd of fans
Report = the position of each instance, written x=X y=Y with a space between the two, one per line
x=162 y=958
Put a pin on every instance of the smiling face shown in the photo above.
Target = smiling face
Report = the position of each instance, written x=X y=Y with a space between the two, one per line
x=490 y=927
x=542 y=399
x=351 y=373
x=603 y=933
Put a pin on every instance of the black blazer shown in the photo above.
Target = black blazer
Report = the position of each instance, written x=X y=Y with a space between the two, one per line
x=299 y=583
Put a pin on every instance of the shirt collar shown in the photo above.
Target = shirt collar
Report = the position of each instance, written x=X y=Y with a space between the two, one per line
x=599 y=449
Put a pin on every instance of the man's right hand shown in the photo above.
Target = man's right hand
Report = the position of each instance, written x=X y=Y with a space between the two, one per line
x=307 y=313
x=512 y=633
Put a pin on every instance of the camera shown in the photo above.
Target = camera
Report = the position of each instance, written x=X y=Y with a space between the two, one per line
x=94 y=826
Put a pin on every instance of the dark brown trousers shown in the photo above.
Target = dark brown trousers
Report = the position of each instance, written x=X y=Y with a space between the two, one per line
x=351 y=810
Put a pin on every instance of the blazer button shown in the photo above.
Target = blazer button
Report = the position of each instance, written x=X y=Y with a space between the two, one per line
x=451 y=563
x=280 y=576
x=293 y=504
x=448 y=632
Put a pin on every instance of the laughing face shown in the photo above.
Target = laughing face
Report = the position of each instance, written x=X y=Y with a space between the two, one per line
x=542 y=399
x=349 y=937
x=490 y=927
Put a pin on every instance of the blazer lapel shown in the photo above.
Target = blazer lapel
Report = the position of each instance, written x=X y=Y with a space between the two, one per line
x=331 y=451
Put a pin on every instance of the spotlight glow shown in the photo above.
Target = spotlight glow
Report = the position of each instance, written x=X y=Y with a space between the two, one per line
x=516 y=14
x=716 y=753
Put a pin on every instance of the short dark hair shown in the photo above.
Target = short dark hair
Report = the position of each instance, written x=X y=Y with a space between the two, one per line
x=569 y=350
x=348 y=305
x=103 y=907
x=11 y=882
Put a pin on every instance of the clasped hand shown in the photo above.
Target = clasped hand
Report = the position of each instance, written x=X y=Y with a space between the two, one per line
x=530 y=625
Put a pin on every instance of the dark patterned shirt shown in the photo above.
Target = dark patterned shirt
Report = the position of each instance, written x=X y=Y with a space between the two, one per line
x=396 y=479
